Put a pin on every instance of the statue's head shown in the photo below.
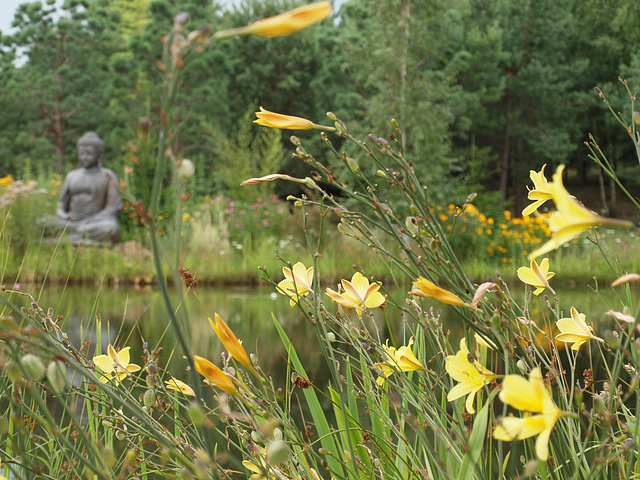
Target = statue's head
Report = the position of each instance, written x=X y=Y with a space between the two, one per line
x=90 y=150
x=91 y=139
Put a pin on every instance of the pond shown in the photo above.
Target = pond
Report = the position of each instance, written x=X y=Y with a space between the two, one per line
x=132 y=316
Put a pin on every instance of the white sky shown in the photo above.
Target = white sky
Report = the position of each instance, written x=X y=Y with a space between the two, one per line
x=7 y=10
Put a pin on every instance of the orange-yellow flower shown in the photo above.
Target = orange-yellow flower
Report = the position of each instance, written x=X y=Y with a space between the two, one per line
x=540 y=193
x=287 y=122
x=427 y=289
x=537 y=276
x=297 y=282
x=530 y=396
x=115 y=364
x=472 y=376
x=401 y=359
x=358 y=294
x=285 y=23
x=180 y=386
x=6 y=181
x=215 y=375
x=575 y=329
x=570 y=219
x=230 y=342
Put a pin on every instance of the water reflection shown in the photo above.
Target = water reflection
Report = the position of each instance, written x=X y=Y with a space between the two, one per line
x=130 y=317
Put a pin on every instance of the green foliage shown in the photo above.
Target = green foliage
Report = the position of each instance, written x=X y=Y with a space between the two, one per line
x=60 y=84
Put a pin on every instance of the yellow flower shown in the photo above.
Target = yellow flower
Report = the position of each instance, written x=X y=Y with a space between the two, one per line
x=230 y=342
x=180 y=386
x=537 y=276
x=115 y=364
x=297 y=283
x=427 y=289
x=401 y=359
x=288 y=122
x=6 y=181
x=215 y=375
x=570 y=218
x=358 y=294
x=483 y=341
x=472 y=376
x=285 y=23
x=575 y=330
x=529 y=396
x=540 y=193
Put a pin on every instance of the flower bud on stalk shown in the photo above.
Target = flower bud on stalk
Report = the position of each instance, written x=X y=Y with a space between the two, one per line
x=149 y=399
x=33 y=367
x=57 y=376
x=186 y=169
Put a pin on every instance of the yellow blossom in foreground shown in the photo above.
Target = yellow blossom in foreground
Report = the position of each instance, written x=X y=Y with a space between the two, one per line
x=471 y=376
x=401 y=359
x=230 y=342
x=571 y=218
x=180 y=386
x=358 y=294
x=537 y=276
x=483 y=341
x=297 y=282
x=115 y=364
x=215 y=375
x=530 y=396
x=575 y=330
x=283 y=24
x=540 y=193
x=287 y=122
x=427 y=289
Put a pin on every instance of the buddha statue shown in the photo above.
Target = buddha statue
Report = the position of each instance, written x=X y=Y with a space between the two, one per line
x=89 y=205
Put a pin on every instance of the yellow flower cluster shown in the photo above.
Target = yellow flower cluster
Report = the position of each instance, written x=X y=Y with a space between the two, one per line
x=505 y=238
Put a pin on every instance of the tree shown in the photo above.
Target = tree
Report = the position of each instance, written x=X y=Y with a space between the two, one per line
x=65 y=69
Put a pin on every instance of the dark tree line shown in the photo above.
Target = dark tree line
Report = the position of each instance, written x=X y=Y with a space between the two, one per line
x=484 y=91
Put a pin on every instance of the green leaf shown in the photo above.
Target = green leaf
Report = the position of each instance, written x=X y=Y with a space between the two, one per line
x=324 y=430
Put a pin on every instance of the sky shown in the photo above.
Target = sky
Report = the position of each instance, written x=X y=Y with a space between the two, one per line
x=7 y=10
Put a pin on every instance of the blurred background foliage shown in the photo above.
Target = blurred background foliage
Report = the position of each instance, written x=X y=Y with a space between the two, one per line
x=483 y=91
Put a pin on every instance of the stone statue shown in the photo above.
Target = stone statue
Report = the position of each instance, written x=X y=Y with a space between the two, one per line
x=89 y=204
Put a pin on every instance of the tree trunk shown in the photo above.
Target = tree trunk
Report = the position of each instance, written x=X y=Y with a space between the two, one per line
x=506 y=146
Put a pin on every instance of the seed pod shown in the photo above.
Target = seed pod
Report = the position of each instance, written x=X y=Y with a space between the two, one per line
x=57 y=376
x=186 y=169
x=12 y=371
x=149 y=398
x=196 y=414
x=277 y=452
x=33 y=367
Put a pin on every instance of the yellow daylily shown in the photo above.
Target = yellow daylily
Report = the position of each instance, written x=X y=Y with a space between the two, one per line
x=483 y=341
x=540 y=193
x=472 y=377
x=530 y=396
x=283 y=24
x=297 y=282
x=571 y=218
x=401 y=359
x=230 y=342
x=537 y=276
x=286 y=122
x=575 y=330
x=215 y=375
x=115 y=364
x=180 y=386
x=358 y=294
x=428 y=289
